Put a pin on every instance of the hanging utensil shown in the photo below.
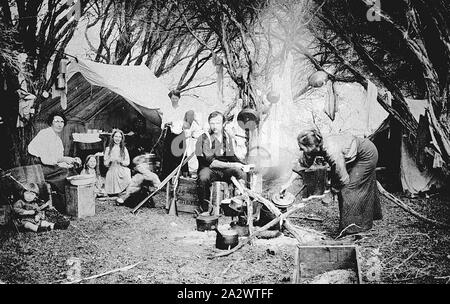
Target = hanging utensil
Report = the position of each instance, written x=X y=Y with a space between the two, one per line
x=248 y=119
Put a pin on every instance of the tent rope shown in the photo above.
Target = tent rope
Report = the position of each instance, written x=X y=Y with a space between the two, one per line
x=163 y=132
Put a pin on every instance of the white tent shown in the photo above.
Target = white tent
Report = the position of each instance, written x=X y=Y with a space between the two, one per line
x=136 y=84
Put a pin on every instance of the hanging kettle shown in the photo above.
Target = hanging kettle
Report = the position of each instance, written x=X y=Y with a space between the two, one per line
x=248 y=119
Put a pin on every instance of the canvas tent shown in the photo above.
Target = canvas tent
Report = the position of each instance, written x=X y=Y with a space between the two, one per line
x=413 y=169
x=103 y=96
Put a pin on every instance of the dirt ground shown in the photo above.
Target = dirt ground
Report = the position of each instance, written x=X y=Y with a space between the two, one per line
x=168 y=249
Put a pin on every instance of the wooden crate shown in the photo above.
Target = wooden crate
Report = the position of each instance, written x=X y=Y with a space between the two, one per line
x=187 y=200
x=80 y=200
x=311 y=261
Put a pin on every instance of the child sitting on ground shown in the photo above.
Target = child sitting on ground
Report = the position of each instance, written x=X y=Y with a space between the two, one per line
x=143 y=174
x=30 y=214
x=89 y=168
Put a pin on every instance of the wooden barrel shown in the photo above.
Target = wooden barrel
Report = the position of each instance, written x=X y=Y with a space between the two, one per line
x=219 y=192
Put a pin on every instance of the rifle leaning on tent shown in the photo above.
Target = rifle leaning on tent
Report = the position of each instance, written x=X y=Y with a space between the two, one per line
x=164 y=182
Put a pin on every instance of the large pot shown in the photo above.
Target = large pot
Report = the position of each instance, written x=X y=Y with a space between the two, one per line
x=207 y=222
x=226 y=239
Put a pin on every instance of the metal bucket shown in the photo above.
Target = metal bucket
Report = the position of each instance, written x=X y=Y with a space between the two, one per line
x=226 y=239
x=207 y=222
x=219 y=192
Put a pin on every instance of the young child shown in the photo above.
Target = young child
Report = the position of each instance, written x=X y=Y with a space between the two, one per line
x=29 y=211
x=143 y=174
x=116 y=157
x=89 y=168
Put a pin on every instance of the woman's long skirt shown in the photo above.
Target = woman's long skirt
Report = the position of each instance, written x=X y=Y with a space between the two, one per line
x=359 y=201
x=117 y=179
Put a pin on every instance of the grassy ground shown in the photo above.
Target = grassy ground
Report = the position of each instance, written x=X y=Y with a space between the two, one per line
x=168 y=249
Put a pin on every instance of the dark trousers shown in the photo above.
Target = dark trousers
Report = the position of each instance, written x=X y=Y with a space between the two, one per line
x=56 y=177
x=174 y=147
x=206 y=176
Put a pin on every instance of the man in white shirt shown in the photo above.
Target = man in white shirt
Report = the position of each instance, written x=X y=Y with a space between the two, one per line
x=180 y=126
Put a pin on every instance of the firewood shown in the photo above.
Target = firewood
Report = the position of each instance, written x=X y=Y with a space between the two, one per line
x=279 y=218
x=103 y=274
x=304 y=217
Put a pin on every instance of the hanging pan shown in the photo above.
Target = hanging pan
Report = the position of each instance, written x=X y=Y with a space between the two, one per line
x=248 y=119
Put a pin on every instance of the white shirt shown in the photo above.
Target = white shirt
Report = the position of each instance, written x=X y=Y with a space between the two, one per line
x=48 y=146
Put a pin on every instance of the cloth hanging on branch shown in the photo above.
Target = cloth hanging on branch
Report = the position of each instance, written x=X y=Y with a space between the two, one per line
x=218 y=63
x=330 y=107
x=25 y=109
x=371 y=99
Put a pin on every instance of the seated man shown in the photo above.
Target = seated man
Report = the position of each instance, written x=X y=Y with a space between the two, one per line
x=216 y=158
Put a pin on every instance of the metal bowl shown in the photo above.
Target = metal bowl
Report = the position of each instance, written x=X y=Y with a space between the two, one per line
x=81 y=180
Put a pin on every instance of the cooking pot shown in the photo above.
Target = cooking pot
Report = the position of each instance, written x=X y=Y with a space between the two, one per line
x=283 y=201
x=226 y=206
x=248 y=119
x=206 y=222
x=226 y=239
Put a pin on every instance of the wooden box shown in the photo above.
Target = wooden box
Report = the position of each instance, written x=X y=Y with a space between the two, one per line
x=187 y=200
x=80 y=200
x=311 y=261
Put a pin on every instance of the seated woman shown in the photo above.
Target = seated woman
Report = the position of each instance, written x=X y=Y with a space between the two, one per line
x=116 y=157
x=47 y=146
x=353 y=161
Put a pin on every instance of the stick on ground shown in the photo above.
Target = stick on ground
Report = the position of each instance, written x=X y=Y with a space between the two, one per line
x=405 y=207
x=103 y=274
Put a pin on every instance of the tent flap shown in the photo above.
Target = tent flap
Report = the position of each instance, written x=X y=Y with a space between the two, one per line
x=136 y=84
